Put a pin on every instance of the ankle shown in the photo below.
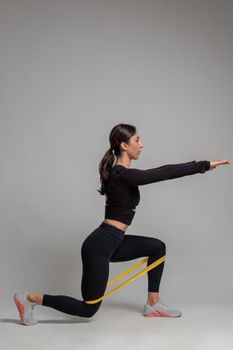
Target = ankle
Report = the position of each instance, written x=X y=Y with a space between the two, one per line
x=34 y=298
x=28 y=297
x=151 y=303
x=153 y=298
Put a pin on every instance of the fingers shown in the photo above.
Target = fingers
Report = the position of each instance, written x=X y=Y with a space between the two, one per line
x=215 y=163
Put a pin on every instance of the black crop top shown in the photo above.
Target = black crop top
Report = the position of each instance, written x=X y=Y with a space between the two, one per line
x=122 y=193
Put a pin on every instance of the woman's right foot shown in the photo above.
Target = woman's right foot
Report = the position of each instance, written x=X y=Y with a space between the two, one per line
x=160 y=310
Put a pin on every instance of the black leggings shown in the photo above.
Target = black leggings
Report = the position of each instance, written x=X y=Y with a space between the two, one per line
x=107 y=244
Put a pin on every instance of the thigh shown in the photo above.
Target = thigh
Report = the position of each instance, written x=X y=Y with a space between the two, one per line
x=94 y=277
x=134 y=246
x=96 y=252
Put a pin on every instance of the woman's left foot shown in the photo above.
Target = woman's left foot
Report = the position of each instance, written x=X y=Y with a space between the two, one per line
x=25 y=308
x=160 y=310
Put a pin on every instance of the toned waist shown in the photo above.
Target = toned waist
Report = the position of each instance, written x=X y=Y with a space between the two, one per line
x=117 y=224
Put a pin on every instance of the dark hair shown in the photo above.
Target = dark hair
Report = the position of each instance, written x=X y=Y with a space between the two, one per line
x=119 y=133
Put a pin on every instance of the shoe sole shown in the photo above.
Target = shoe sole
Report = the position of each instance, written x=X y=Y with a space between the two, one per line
x=158 y=313
x=20 y=308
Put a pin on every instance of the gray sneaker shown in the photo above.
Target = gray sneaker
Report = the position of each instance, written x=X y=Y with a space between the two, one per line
x=25 y=308
x=160 y=310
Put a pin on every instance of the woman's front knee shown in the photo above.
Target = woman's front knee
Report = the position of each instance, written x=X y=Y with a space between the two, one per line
x=161 y=246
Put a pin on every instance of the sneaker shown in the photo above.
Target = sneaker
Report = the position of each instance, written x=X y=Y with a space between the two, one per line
x=160 y=310
x=25 y=308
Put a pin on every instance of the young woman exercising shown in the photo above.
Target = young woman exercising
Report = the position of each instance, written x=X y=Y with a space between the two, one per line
x=108 y=242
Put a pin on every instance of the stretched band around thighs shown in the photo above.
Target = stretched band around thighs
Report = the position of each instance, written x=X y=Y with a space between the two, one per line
x=151 y=266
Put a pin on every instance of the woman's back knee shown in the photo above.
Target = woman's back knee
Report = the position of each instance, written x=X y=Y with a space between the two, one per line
x=92 y=309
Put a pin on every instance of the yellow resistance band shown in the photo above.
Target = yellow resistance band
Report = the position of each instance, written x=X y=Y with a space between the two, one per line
x=149 y=267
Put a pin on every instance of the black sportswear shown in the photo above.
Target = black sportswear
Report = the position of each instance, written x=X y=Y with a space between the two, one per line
x=104 y=245
x=122 y=193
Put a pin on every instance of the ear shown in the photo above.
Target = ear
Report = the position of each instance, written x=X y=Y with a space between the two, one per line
x=123 y=146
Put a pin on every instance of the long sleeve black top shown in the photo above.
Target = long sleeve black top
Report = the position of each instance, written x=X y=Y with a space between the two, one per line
x=122 y=193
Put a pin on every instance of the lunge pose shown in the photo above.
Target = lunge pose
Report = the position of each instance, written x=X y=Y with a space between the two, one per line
x=108 y=242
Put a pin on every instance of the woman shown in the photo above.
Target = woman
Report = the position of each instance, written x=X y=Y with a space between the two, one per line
x=108 y=242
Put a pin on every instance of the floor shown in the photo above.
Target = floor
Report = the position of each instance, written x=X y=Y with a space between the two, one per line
x=121 y=324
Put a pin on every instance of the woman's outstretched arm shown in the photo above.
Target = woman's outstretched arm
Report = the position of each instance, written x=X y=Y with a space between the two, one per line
x=138 y=177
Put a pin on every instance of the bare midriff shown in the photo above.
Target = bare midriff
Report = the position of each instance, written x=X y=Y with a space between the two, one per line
x=117 y=224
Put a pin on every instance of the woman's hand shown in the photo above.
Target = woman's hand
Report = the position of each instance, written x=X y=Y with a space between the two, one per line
x=215 y=163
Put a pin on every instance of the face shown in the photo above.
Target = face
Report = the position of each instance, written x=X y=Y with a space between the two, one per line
x=135 y=146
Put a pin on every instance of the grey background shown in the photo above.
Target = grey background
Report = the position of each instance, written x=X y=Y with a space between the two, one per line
x=70 y=71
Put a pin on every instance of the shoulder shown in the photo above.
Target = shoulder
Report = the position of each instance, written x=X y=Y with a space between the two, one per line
x=118 y=169
x=122 y=169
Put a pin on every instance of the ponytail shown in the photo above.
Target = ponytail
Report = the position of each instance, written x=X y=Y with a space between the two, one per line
x=105 y=167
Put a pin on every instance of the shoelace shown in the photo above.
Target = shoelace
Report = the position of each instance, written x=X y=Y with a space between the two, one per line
x=164 y=305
